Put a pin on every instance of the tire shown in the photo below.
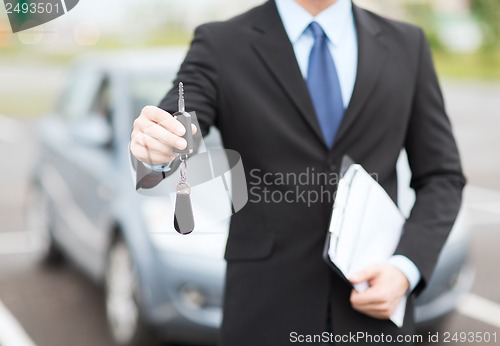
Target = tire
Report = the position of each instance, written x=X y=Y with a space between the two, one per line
x=38 y=221
x=126 y=321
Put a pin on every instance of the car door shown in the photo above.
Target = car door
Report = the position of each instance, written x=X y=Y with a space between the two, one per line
x=79 y=164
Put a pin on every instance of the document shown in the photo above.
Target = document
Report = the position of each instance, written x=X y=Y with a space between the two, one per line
x=365 y=228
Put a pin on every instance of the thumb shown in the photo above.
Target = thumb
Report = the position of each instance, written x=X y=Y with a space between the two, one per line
x=365 y=275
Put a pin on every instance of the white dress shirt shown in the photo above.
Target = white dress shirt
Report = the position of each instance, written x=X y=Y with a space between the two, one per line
x=339 y=26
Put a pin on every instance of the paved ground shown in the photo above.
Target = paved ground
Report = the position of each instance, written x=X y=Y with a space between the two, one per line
x=61 y=307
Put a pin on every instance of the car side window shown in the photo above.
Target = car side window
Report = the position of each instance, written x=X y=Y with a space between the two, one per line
x=101 y=105
x=80 y=93
x=86 y=108
x=102 y=108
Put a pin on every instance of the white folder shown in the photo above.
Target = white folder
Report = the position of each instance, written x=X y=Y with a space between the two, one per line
x=365 y=228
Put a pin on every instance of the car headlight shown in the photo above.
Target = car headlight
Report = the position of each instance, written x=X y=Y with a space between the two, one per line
x=193 y=297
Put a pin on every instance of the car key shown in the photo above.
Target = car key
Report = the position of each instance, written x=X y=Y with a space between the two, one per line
x=185 y=119
x=183 y=213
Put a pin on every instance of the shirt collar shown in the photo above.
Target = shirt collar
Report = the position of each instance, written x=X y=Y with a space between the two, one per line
x=333 y=19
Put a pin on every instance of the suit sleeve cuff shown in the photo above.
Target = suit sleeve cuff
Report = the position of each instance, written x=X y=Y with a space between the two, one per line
x=408 y=268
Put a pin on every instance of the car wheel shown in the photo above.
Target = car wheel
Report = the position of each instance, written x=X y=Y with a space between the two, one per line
x=127 y=324
x=38 y=223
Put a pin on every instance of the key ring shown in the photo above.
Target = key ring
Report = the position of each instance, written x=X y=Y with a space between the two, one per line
x=183 y=168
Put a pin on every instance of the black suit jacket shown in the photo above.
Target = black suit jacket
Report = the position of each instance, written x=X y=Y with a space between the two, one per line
x=242 y=76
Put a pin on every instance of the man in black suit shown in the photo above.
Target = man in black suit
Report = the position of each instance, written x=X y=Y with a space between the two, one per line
x=293 y=86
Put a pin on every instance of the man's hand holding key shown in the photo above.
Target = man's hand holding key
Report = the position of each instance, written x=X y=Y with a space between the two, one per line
x=155 y=134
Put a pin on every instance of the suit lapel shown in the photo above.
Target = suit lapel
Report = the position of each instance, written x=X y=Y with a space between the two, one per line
x=276 y=51
x=274 y=48
x=372 y=55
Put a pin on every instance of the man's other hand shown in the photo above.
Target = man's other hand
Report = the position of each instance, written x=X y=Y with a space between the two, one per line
x=154 y=136
x=387 y=286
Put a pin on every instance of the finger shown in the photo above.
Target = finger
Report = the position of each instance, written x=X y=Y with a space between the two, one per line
x=155 y=114
x=173 y=125
x=151 y=157
x=148 y=149
x=368 y=297
x=367 y=274
x=169 y=124
x=380 y=310
x=374 y=307
x=194 y=129
x=379 y=314
x=152 y=144
x=164 y=136
x=145 y=155
x=164 y=119
x=161 y=134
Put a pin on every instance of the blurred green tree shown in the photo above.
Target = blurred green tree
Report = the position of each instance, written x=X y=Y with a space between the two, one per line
x=488 y=12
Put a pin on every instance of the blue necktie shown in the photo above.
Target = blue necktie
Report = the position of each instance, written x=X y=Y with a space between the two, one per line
x=324 y=86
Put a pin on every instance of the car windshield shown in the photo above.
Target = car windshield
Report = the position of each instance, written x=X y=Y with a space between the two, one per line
x=148 y=89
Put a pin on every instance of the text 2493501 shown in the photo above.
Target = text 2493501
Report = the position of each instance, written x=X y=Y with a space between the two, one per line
x=469 y=337
x=33 y=8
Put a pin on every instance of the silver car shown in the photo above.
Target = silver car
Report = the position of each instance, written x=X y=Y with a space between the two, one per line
x=158 y=285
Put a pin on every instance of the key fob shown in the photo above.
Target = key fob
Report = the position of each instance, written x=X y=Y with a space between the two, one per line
x=185 y=119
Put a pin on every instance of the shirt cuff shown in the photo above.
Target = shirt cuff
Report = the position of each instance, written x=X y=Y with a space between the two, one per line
x=408 y=268
x=160 y=168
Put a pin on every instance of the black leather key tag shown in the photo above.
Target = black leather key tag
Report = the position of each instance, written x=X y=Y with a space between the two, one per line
x=183 y=213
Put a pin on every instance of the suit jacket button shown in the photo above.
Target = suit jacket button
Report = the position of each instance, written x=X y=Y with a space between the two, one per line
x=330 y=164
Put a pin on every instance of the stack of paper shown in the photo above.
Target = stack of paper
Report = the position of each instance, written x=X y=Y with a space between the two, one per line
x=365 y=227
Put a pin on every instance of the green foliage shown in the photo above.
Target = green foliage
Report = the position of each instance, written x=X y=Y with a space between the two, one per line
x=488 y=12
x=484 y=64
x=423 y=15
x=475 y=66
